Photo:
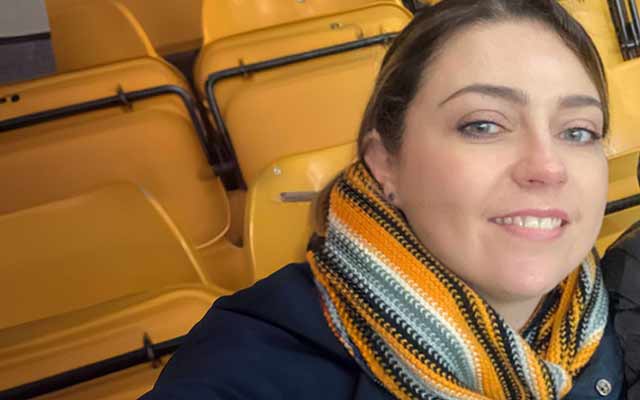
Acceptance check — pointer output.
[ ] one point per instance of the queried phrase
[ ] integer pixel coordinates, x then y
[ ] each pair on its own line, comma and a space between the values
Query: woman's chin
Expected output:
526, 283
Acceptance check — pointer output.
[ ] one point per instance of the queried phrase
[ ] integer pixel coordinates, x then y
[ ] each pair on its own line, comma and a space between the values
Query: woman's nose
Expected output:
539, 165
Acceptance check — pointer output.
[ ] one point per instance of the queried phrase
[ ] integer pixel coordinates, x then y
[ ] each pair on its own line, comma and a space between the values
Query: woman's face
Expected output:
501, 172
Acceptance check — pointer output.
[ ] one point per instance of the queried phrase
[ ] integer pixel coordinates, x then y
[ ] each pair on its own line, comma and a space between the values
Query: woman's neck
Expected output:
516, 313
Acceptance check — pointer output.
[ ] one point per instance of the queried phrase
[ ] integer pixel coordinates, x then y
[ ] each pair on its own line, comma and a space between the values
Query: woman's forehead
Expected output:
523, 55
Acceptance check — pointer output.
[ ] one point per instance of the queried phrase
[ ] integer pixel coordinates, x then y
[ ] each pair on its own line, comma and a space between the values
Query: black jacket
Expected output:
271, 341
621, 270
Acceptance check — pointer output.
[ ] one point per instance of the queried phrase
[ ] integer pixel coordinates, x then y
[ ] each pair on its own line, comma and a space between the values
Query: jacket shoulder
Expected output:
269, 341
621, 271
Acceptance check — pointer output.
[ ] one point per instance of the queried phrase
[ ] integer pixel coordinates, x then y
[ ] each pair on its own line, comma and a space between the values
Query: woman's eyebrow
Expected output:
502, 92
576, 101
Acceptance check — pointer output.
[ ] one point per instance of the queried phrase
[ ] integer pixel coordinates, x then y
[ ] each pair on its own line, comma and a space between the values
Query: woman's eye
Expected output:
579, 135
479, 129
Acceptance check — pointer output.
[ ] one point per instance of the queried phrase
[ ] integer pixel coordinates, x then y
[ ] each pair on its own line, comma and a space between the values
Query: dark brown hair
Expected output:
412, 52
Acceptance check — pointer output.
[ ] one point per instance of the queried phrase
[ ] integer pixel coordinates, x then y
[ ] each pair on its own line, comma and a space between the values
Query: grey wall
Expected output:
23, 17
29, 56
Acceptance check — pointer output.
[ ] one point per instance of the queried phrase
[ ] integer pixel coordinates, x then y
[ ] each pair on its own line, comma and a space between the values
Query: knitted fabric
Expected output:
420, 331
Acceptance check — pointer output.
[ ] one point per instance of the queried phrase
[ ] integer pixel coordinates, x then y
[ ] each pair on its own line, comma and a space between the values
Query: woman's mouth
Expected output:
534, 224
548, 223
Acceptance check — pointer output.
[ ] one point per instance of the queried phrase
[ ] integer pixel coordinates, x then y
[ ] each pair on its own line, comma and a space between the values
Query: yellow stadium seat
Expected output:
595, 17
227, 18
623, 143
90, 84
96, 33
172, 26
614, 225
87, 249
623, 176
153, 148
87, 277
302, 106
114, 243
153, 144
623, 147
52, 346
624, 79
284, 192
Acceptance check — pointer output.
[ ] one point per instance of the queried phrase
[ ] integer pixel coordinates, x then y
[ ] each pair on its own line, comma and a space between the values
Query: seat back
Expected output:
279, 218
100, 217
153, 144
595, 17
95, 33
55, 345
625, 120
303, 106
171, 26
614, 225
226, 18
111, 242
623, 147
72, 88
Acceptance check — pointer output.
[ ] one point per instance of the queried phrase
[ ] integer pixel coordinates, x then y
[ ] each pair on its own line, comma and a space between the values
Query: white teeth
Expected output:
531, 222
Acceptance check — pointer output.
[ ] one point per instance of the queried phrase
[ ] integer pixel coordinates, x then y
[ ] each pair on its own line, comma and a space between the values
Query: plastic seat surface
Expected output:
284, 192
232, 17
96, 33
87, 249
298, 36
304, 106
595, 17
86, 85
615, 225
43, 348
623, 81
171, 26
623, 144
156, 149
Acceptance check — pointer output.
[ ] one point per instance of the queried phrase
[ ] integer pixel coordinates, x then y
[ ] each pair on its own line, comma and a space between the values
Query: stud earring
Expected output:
391, 197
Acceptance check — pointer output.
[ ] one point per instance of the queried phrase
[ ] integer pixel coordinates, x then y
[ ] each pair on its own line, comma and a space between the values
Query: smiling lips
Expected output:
534, 224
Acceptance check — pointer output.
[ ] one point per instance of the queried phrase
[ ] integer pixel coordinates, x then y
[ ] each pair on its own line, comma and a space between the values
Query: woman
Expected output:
453, 260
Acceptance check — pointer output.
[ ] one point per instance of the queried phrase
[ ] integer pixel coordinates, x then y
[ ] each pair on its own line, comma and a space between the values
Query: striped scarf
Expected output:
420, 331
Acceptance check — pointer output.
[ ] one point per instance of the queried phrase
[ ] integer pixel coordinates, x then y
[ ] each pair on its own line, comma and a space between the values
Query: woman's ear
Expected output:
381, 164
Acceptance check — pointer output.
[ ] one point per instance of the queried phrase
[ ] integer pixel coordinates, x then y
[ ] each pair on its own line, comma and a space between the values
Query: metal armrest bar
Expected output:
635, 24
622, 204
126, 99
216, 77
93, 371
628, 31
